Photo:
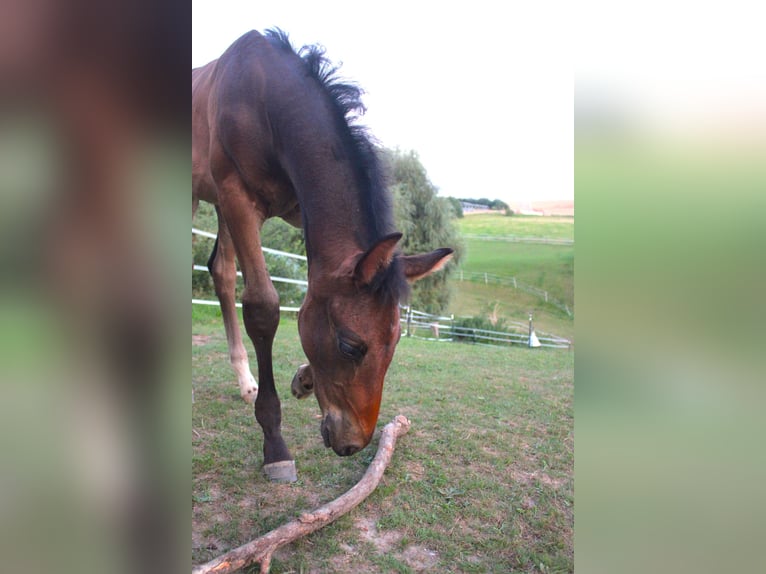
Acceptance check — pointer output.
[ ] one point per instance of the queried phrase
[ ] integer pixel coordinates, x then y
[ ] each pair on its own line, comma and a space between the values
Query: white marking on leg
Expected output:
248, 386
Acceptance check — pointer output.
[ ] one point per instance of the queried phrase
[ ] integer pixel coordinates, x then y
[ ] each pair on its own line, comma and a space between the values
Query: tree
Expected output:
427, 222
275, 234
457, 207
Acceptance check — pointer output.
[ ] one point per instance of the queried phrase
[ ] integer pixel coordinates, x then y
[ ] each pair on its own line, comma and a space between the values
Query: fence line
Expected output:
239, 305
444, 329
437, 324
447, 332
520, 239
301, 282
279, 279
487, 278
471, 275
196, 231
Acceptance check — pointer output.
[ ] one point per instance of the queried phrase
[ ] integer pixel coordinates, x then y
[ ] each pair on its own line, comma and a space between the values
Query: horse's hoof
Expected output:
249, 395
283, 471
248, 387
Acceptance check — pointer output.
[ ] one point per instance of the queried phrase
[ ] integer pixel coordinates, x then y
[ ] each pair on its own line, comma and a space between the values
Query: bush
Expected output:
463, 328
202, 282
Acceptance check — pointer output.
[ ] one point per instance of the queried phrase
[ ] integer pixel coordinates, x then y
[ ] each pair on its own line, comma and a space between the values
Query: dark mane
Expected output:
345, 98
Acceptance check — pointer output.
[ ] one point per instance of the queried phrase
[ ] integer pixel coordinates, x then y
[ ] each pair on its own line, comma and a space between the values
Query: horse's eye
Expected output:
350, 350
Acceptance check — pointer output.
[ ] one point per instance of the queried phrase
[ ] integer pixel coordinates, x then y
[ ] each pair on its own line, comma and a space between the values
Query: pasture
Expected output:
483, 482
518, 225
547, 267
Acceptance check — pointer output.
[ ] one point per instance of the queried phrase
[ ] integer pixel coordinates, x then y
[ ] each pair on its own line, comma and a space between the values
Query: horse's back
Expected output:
232, 99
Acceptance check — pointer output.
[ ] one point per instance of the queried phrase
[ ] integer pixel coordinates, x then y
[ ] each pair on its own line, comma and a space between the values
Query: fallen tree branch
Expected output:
261, 549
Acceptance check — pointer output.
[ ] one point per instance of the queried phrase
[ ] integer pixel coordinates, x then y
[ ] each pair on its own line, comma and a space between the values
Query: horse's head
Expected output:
349, 328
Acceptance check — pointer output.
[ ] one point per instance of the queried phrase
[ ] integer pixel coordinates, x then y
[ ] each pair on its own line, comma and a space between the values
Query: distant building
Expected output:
468, 206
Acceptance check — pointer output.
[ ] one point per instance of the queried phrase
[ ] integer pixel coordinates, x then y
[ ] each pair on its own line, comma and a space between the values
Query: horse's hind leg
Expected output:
260, 306
223, 268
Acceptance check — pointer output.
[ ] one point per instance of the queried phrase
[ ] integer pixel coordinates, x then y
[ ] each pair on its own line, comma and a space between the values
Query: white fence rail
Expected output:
302, 282
264, 249
492, 279
440, 328
217, 304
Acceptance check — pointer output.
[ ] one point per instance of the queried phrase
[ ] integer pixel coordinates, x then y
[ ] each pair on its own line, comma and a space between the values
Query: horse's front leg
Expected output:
260, 310
260, 305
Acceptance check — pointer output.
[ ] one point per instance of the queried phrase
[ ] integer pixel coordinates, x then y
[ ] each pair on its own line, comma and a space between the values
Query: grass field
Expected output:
482, 483
547, 267
474, 299
518, 225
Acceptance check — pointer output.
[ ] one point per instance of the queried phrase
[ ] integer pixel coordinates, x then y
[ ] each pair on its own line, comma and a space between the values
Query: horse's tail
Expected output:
212, 256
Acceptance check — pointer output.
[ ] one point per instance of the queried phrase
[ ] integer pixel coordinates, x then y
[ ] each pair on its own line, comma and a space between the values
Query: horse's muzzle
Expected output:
340, 446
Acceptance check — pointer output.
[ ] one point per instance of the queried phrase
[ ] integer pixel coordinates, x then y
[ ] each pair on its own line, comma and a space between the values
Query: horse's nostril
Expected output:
349, 450
325, 433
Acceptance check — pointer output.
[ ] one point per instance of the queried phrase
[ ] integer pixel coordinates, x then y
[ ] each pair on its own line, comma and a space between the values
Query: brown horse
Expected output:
274, 136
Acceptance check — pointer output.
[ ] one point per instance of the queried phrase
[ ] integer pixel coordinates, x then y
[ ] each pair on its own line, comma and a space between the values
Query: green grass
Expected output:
519, 225
474, 299
482, 483
546, 267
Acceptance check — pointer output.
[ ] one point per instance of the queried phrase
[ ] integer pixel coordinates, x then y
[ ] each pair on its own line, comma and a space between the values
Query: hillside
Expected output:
546, 267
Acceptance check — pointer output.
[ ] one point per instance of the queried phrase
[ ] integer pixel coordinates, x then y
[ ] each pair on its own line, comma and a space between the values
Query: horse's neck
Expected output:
334, 229
333, 213
320, 163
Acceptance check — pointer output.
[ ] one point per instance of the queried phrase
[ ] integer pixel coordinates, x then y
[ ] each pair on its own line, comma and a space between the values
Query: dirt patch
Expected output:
368, 531
347, 562
199, 340
527, 477
420, 558
414, 471
417, 557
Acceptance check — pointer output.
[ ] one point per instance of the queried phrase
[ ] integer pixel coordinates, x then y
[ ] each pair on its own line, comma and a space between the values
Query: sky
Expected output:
483, 96
680, 68
485, 91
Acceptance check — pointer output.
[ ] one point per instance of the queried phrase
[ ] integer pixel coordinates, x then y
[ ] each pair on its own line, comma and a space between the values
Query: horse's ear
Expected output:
418, 266
377, 258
